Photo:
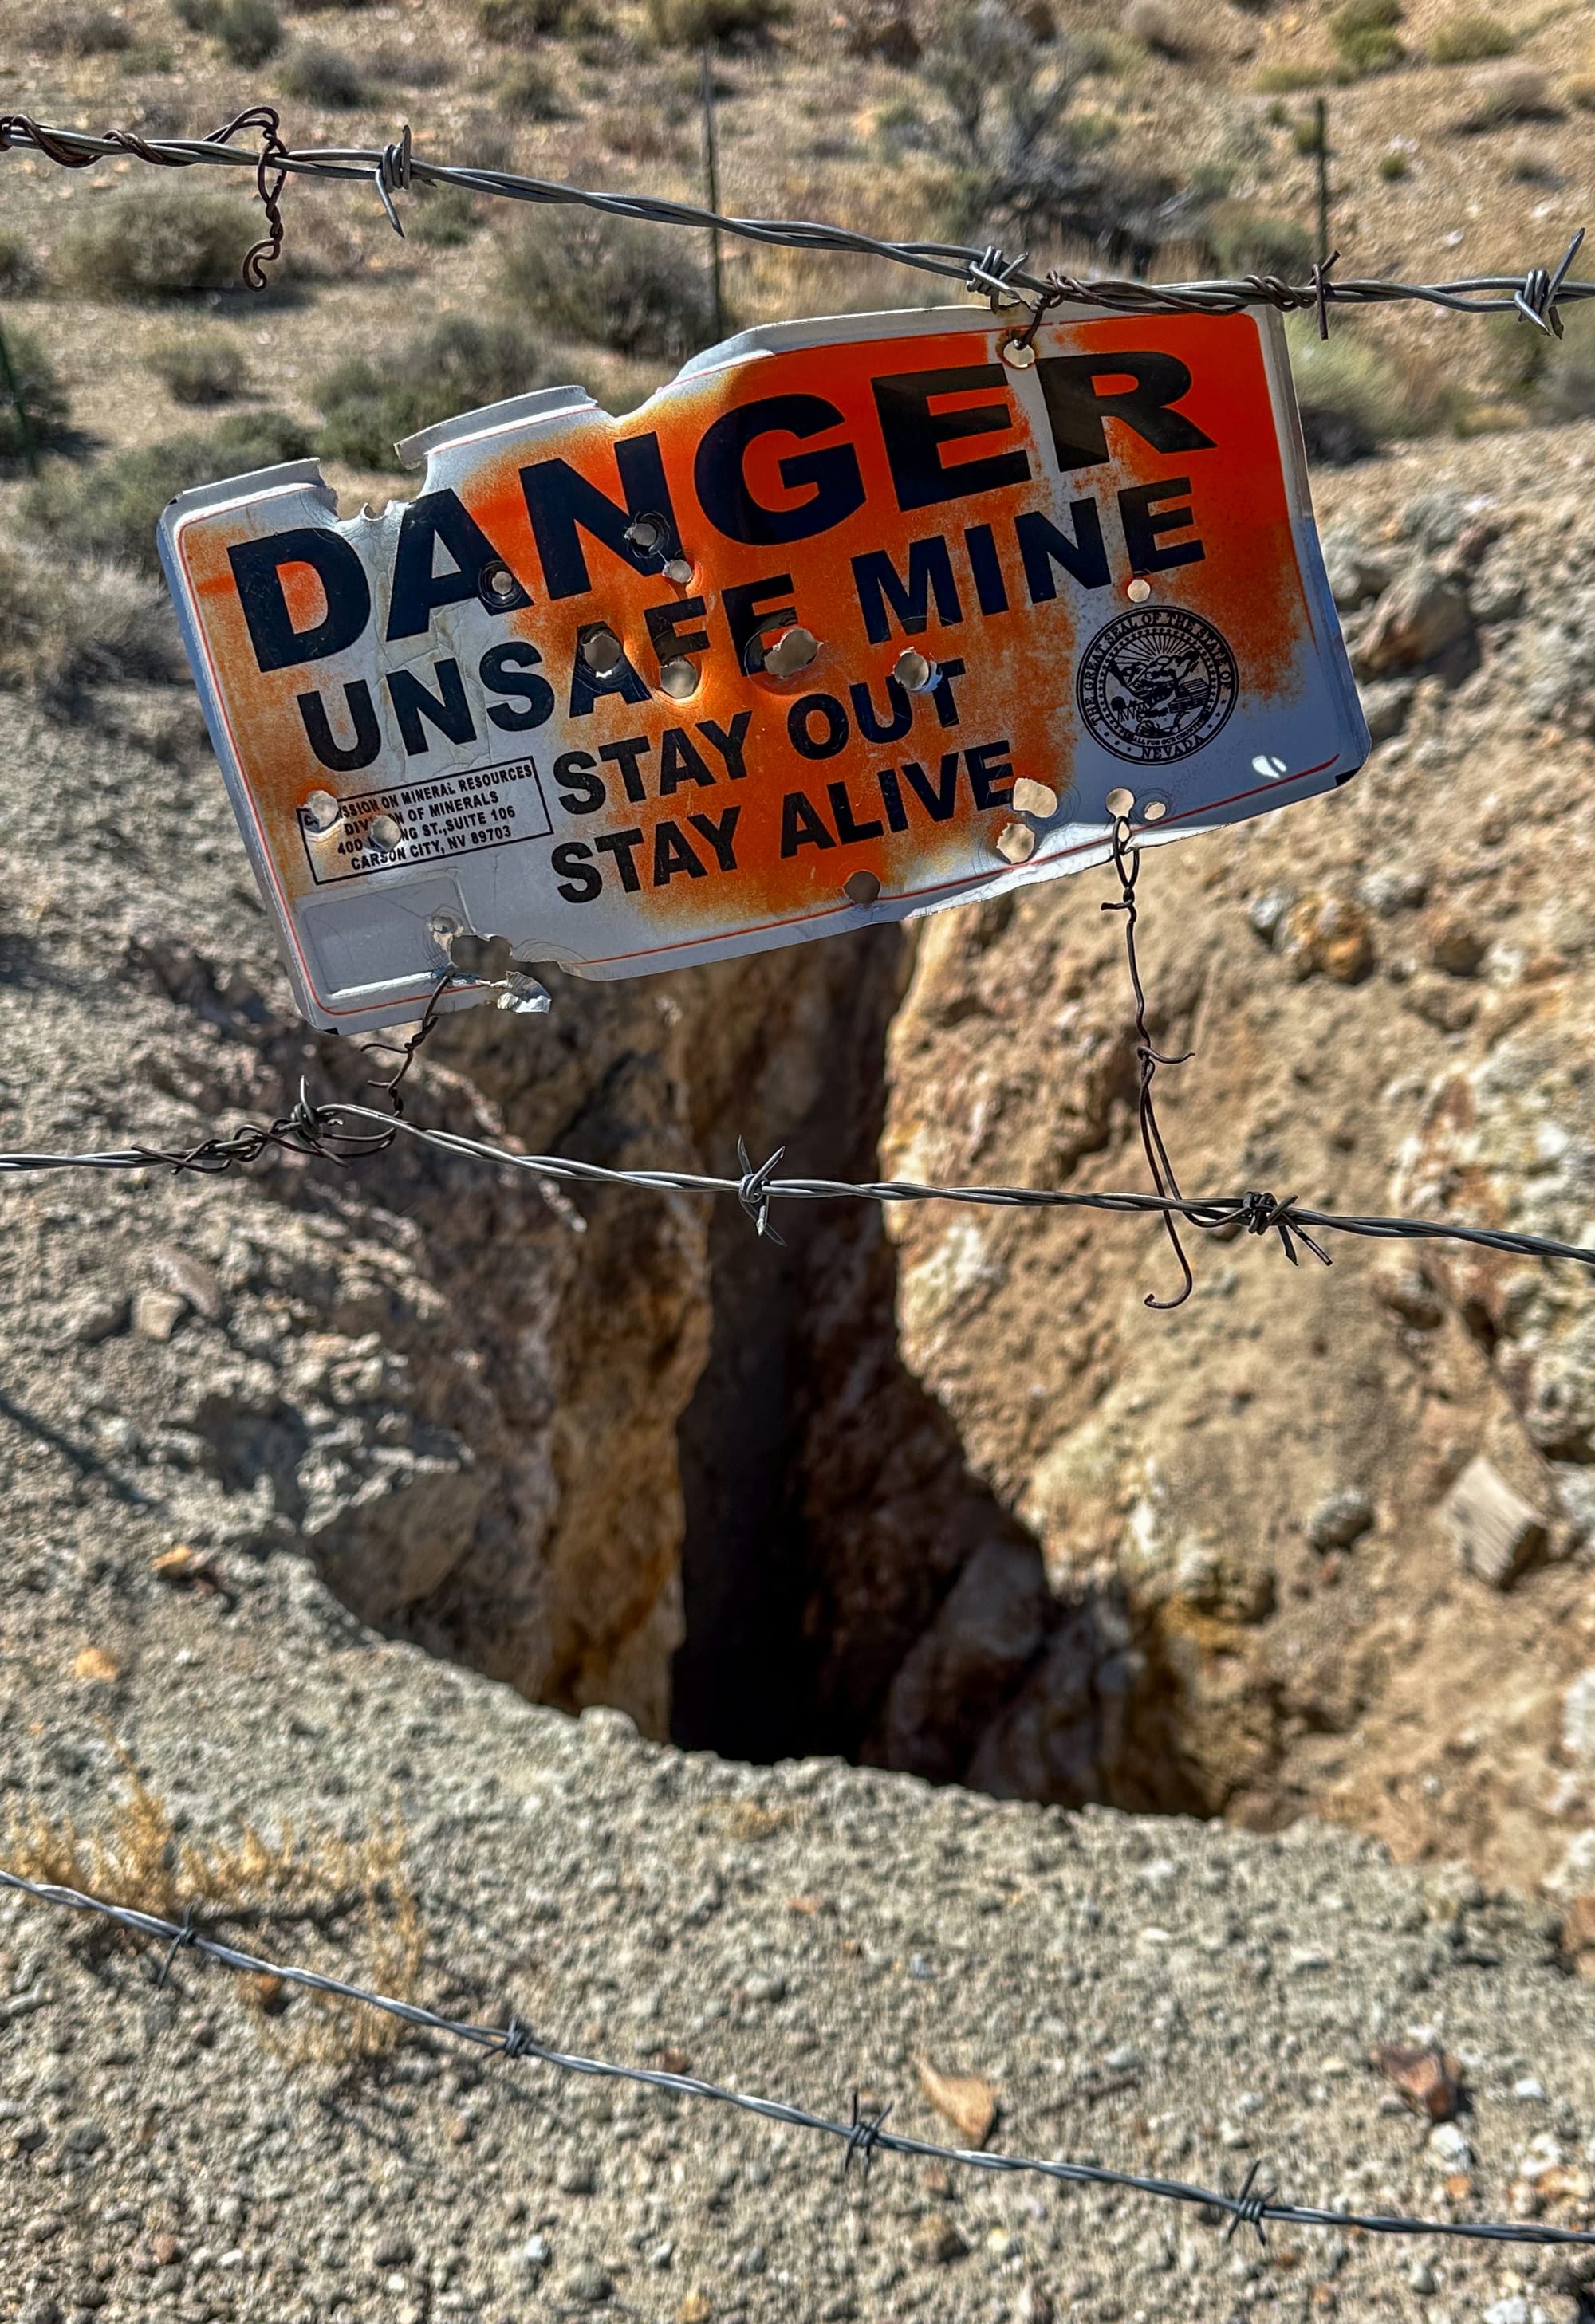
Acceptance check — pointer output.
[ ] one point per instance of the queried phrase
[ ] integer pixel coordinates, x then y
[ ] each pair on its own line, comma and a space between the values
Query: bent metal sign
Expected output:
853, 620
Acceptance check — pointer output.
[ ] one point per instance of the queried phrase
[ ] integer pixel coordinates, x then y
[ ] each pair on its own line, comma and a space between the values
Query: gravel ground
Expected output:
1157, 1995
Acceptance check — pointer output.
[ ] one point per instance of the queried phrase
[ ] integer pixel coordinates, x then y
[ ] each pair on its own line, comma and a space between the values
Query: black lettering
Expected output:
367, 740
1136, 504
929, 575
751, 606
582, 881
512, 669
830, 480
800, 718
625, 755
562, 504
939, 800
258, 574
623, 846
447, 709
672, 852
802, 824
720, 831
582, 786
664, 626
681, 761
1043, 545
990, 588
942, 693
899, 710
1076, 411
892, 797
728, 742
991, 773
418, 590
914, 435
847, 826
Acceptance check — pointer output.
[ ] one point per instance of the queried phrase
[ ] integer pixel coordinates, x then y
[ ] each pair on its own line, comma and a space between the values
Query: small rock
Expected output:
156, 1315
1513, 2309
394, 2249
1389, 890
1126, 2059
1528, 2091
1454, 943
1422, 2278
765, 1986
935, 2242
1450, 2147
661, 2255
533, 2255
1386, 702
1416, 619
96, 1316
84, 2138
1409, 1294
1430, 2081
589, 2285
192, 1280
578, 2178
1266, 912
1328, 936
1495, 1533
968, 2104
1340, 1518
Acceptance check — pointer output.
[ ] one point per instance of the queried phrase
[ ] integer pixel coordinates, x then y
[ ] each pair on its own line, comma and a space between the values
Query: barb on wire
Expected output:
864, 2136
1534, 291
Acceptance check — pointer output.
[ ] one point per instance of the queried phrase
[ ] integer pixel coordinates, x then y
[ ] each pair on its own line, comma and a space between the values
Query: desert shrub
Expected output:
530, 91
19, 269
63, 627
1351, 400
413, 68
712, 24
1307, 135
1245, 240
41, 393
442, 217
456, 367
207, 369
1517, 94
1365, 36
1161, 28
882, 29
157, 239
633, 288
79, 32
1394, 165
1285, 80
146, 56
111, 511
521, 24
249, 30
322, 76
1468, 39
198, 15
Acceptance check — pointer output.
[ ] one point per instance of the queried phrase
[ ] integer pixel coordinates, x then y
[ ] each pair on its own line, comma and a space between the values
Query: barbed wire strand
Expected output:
1535, 291
863, 2137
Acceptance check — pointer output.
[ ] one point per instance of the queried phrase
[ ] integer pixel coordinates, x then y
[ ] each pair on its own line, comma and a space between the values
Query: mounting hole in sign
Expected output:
1019, 353
1268, 767
498, 585
1139, 591
322, 810
861, 888
1119, 801
1153, 809
679, 679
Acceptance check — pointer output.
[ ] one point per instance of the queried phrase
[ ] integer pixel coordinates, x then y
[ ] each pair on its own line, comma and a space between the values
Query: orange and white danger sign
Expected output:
853, 620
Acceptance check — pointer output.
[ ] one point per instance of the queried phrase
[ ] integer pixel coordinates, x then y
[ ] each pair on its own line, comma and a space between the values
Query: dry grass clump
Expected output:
43, 400
458, 366
112, 509
307, 1878
637, 288
322, 76
1517, 94
157, 240
1352, 401
530, 91
79, 32
522, 23
249, 30
1470, 37
1245, 239
201, 369
99, 623
1365, 36
713, 23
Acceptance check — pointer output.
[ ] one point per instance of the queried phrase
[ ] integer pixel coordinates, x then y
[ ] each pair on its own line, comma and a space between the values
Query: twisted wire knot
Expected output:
989, 273
1537, 299
753, 1191
518, 2041
1249, 2207
1259, 1211
185, 1937
393, 170
863, 2138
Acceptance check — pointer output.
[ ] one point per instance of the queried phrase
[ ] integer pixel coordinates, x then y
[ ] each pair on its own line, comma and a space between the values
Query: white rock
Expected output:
1448, 2146
1528, 2090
